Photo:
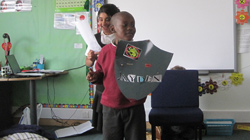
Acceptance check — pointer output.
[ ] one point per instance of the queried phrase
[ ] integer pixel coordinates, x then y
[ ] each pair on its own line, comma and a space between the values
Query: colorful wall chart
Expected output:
71, 5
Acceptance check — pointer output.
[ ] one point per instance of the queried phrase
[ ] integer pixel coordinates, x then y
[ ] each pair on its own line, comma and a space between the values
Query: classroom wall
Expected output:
231, 101
33, 34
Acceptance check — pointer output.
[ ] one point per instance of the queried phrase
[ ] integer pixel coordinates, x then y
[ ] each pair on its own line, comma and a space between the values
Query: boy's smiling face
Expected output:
123, 25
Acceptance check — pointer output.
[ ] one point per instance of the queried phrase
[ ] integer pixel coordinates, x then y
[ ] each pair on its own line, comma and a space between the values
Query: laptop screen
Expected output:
13, 64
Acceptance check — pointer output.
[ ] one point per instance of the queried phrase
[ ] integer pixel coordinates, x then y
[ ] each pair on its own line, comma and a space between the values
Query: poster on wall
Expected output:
71, 5
81, 16
64, 21
15, 5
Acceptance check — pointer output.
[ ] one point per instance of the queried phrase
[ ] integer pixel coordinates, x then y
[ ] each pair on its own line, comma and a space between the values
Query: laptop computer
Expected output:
16, 69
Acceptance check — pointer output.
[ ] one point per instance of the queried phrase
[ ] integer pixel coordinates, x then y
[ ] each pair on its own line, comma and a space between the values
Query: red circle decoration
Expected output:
82, 17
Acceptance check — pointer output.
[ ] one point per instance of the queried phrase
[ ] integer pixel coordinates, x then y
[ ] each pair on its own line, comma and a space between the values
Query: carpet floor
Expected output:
93, 135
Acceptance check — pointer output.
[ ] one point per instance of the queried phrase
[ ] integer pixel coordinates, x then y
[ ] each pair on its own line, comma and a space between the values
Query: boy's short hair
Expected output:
117, 15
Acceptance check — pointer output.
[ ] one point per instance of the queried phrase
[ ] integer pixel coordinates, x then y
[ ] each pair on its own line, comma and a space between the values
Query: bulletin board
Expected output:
200, 33
32, 35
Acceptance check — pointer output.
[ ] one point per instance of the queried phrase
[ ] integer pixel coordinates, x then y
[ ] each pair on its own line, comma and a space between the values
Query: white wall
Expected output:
231, 102
188, 29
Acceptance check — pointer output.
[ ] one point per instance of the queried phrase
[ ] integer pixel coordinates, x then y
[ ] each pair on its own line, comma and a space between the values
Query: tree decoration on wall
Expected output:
236, 78
242, 3
241, 17
211, 86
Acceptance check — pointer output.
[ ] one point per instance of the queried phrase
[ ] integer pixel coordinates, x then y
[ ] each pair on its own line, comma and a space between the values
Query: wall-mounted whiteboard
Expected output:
200, 33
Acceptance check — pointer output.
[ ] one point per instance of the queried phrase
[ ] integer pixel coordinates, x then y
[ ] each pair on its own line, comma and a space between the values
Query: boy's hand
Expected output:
92, 55
97, 54
91, 76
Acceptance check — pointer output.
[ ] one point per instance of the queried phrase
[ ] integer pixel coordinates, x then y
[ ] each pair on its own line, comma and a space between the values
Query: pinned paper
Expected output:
74, 130
64, 21
84, 28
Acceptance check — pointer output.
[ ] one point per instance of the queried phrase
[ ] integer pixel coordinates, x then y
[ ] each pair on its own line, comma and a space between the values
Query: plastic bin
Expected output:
219, 126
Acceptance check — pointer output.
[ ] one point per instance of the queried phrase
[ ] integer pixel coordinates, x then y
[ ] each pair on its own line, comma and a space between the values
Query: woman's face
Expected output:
104, 23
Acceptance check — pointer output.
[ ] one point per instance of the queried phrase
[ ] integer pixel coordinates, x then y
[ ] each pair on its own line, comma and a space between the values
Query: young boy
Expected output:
122, 117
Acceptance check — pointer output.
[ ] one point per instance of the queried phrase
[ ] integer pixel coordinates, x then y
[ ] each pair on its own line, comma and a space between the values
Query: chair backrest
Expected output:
179, 88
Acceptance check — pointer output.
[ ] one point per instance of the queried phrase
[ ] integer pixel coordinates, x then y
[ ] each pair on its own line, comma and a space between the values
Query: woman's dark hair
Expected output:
109, 9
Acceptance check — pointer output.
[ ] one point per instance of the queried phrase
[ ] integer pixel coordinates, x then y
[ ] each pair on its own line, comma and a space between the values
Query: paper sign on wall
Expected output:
15, 5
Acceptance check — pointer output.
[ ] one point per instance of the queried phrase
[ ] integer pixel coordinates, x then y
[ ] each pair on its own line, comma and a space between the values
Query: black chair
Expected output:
175, 102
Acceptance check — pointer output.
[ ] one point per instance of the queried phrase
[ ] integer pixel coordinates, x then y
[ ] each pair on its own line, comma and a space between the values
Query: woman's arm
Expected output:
89, 63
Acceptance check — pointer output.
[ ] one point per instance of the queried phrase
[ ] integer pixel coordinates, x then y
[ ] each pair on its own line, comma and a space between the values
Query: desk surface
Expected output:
31, 78
20, 78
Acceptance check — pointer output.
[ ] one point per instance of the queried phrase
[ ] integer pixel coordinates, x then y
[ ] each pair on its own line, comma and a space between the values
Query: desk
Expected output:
32, 90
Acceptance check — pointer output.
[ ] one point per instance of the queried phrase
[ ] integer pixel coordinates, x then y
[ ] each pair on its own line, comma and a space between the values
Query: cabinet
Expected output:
5, 105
